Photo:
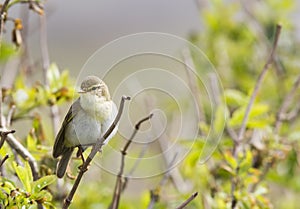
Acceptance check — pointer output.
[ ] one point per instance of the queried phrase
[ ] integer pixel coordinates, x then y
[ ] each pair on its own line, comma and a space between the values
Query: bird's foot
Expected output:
81, 168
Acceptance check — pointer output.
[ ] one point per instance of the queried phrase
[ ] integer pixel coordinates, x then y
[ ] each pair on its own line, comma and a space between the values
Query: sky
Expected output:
76, 29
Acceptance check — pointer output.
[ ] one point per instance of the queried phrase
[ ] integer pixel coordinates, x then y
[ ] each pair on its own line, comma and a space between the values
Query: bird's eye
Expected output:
94, 88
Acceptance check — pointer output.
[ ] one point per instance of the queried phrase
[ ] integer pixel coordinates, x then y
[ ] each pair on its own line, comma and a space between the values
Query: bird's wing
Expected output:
59, 144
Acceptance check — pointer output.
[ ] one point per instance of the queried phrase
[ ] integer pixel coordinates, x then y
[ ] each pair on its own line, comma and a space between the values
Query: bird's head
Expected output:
94, 86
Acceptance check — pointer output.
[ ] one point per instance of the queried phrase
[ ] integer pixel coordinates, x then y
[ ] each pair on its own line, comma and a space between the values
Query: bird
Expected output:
88, 118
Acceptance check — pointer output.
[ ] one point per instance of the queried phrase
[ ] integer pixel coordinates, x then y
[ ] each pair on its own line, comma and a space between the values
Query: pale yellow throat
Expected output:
96, 106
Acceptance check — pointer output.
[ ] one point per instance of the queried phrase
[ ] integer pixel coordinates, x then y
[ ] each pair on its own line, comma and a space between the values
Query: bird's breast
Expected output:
96, 107
83, 130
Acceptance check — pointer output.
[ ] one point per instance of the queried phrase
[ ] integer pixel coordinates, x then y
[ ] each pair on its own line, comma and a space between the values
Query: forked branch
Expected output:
120, 183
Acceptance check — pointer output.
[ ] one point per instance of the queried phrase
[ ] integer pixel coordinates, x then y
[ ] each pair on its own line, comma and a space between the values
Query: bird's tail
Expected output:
63, 163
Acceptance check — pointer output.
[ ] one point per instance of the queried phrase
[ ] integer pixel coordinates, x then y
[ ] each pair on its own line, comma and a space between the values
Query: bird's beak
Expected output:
81, 91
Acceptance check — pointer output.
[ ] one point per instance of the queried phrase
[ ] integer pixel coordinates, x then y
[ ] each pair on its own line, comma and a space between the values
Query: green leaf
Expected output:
219, 120
234, 97
24, 174
41, 183
257, 111
7, 51
246, 163
31, 142
230, 160
42, 196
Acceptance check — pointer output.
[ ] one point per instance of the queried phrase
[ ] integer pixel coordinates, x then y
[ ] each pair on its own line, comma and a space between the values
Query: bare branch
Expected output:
231, 133
23, 152
1, 110
185, 203
140, 156
55, 117
164, 145
238, 142
44, 47
189, 67
92, 154
134, 167
119, 183
258, 85
2, 18
10, 115
4, 136
3, 160
285, 105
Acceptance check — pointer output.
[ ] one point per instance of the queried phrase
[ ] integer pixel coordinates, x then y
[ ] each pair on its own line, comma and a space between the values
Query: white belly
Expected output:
82, 130
85, 129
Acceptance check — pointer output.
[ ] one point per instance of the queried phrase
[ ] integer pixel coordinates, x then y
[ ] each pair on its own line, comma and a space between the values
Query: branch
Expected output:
3, 160
119, 183
44, 47
238, 142
185, 203
1, 110
10, 115
140, 156
189, 67
46, 63
257, 86
164, 145
4, 136
93, 152
285, 105
23, 152
2, 18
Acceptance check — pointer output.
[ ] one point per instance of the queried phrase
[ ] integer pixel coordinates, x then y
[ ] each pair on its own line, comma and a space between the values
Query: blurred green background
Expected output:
236, 37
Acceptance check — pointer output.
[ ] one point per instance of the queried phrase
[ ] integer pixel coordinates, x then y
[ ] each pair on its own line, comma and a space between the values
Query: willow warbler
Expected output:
88, 118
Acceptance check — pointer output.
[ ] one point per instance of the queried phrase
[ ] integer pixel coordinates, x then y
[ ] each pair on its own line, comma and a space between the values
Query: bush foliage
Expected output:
261, 171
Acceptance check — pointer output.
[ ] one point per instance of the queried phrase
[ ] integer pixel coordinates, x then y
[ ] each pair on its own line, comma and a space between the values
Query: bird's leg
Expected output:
80, 154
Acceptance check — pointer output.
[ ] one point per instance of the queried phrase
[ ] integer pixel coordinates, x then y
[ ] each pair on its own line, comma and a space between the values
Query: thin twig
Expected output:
134, 167
185, 203
257, 86
231, 133
119, 183
2, 18
293, 113
4, 136
189, 68
3, 160
238, 142
1, 110
10, 115
55, 117
23, 152
279, 118
44, 47
259, 30
164, 145
139, 158
92, 154
286, 104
